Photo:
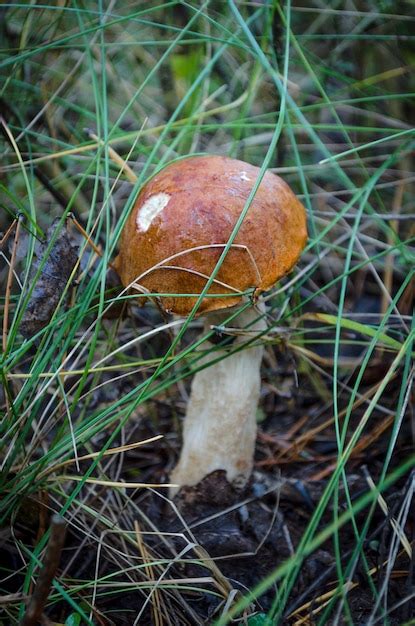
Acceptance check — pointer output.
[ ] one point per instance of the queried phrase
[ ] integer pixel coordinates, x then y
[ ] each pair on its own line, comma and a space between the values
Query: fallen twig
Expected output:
50, 564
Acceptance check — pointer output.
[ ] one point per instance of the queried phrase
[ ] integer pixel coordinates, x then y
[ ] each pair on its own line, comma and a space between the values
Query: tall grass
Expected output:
321, 95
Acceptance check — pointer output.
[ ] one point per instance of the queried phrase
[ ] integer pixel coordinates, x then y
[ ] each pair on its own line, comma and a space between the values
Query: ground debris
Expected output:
56, 270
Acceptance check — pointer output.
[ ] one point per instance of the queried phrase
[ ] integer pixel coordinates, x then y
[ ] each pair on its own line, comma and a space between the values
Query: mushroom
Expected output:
170, 244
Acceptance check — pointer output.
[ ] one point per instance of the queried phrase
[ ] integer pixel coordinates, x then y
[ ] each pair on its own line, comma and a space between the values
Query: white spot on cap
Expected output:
244, 176
150, 209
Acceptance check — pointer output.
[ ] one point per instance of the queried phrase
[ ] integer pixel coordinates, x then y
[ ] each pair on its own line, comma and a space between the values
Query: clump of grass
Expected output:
97, 98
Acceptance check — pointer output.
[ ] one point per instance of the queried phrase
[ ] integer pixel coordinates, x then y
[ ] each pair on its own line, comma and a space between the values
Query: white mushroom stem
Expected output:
220, 425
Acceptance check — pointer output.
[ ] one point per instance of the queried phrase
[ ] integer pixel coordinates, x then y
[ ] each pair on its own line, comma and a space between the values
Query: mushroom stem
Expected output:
220, 425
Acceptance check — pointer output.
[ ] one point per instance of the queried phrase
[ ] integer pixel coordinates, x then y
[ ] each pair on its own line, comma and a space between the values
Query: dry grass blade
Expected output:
9, 281
118, 160
332, 91
111, 483
397, 529
155, 597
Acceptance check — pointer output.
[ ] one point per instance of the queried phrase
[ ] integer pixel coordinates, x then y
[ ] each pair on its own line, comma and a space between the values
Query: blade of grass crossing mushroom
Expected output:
180, 334
235, 230
267, 63
125, 417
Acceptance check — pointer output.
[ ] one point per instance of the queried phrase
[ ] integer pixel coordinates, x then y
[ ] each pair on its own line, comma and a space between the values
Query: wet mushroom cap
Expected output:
195, 203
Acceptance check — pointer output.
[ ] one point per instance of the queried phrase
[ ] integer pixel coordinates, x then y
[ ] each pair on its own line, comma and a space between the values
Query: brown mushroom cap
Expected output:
195, 203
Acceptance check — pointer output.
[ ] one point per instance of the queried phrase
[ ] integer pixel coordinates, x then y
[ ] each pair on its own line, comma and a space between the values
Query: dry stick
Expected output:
51, 561
8, 232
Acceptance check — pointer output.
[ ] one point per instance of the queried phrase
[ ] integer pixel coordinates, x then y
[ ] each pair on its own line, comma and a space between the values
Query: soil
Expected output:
222, 543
